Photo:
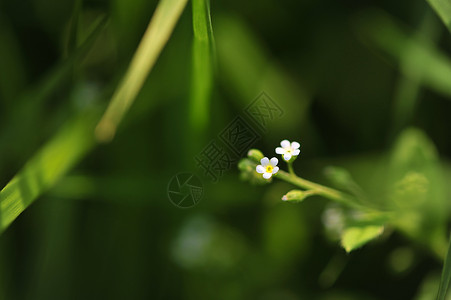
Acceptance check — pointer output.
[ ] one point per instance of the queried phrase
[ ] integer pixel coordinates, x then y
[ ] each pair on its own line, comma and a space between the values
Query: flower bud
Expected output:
248, 172
255, 154
296, 195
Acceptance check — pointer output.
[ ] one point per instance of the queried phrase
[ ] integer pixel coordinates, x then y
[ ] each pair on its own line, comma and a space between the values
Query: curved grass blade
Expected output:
446, 275
157, 34
443, 9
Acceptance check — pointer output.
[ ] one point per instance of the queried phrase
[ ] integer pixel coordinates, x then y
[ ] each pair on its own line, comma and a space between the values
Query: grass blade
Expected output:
71, 43
157, 34
430, 66
408, 90
46, 167
240, 51
76, 138
446, 276
202, 65
443, 9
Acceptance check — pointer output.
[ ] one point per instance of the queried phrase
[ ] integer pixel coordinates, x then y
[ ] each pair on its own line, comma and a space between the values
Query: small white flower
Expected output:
268, 167
288, 150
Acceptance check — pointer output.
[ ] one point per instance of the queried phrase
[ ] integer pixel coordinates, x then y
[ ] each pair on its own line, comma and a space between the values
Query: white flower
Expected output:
288, 150
268, 167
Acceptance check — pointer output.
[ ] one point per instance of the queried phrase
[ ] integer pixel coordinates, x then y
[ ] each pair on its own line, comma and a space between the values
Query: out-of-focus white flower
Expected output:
334, 220
288, 150
268, 167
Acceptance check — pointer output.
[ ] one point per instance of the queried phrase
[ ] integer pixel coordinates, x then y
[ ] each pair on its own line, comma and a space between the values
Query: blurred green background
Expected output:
352, 77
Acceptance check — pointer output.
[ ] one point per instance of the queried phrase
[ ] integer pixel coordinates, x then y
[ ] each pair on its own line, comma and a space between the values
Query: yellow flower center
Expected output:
269, 169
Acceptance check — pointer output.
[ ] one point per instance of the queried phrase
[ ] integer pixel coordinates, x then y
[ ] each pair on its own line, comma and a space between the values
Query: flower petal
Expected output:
275, 170
280, 150
264, 161
295, 145
296, 152
287, 156
285, 144
260, 169
267, 175
274, 161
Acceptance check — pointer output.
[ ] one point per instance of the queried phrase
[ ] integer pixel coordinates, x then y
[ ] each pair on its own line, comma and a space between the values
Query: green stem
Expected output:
321, 190
290, 168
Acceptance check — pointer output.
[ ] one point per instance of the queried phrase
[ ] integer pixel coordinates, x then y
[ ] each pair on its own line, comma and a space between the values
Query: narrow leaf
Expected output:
446, 276
428, 65
443, 9
76, 138
46, 167
157, 34
202, 65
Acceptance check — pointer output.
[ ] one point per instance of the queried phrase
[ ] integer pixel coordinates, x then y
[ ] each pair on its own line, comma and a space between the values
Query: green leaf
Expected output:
446, 275
355, 237
443, 9
362, 227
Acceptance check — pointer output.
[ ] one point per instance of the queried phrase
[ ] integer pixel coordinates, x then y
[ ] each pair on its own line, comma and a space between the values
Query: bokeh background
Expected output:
351, 78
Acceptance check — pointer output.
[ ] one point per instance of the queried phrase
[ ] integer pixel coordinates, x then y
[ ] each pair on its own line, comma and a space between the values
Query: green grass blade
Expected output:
46, 167
408, 90
76, 138
446, 276
157, 34
430, 66
11, 59
202, 65
240, 51
72, 40
51, 82
443, 9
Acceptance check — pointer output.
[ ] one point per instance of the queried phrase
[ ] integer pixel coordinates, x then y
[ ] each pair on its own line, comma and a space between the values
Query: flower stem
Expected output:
290, 168
321, 190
